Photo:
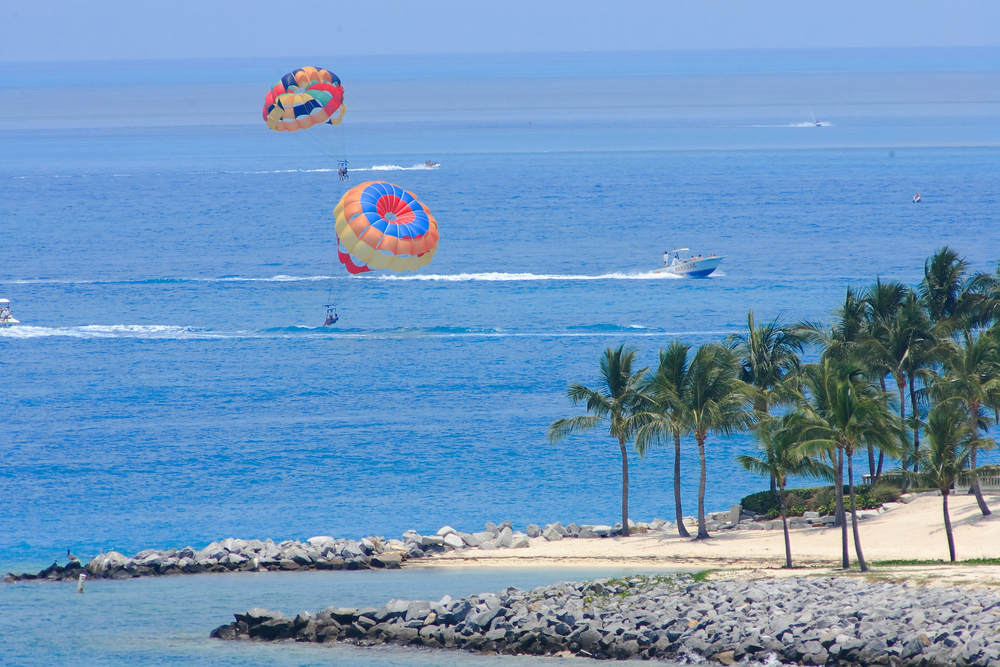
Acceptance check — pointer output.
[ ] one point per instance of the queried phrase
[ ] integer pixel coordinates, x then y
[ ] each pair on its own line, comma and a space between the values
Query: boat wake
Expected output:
164, 332
521, 277
805, 124
396, 167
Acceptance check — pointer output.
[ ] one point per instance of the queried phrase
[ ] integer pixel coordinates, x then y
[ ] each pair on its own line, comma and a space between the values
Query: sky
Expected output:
70, 30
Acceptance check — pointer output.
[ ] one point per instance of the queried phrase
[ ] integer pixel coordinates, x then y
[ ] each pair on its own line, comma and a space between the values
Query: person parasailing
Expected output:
331, 315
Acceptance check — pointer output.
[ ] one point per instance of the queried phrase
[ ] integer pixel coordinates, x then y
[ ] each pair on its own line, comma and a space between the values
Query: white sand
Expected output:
913, 532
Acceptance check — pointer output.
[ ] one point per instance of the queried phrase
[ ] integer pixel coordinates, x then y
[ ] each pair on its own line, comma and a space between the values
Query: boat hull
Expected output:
694, 268
9, 323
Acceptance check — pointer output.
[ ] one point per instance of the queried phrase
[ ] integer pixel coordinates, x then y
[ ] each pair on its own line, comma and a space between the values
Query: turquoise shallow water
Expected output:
167, 621
171, 385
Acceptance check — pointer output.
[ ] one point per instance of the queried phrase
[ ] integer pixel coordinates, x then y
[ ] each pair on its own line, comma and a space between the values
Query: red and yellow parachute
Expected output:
303, 98
382, 226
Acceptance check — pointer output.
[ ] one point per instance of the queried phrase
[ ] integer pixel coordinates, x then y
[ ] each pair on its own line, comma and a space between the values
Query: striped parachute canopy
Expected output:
304, 98
382, 226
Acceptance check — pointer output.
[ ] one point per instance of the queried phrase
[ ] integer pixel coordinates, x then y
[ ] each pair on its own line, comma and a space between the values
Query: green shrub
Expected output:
761, 502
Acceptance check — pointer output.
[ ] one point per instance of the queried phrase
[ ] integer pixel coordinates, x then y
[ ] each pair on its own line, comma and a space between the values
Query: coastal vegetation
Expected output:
894, 365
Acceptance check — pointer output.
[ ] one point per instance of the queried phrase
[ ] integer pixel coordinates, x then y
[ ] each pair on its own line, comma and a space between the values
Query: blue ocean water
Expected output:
170, 261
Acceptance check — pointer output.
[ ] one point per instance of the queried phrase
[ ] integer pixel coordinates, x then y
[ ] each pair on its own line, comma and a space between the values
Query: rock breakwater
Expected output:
826, 621
317, 553
233, 555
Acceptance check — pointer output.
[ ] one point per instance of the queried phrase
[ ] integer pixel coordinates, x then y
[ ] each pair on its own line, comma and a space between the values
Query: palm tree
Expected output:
780, 458
842, 341
883, 301
617, 402
847, 412
952, 296
716, 401
768, 355
972, 374
902, 346
665, 388
951, 445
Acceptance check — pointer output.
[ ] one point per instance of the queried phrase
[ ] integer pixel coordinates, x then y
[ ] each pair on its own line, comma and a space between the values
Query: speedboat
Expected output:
693, 267
6, 318
430, 164
916, 198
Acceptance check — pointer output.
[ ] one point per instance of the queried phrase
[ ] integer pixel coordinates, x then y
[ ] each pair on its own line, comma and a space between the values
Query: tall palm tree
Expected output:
951, 444
972, 374
781, 457
666, 388
768, 355
616, 402
716, 401
843, 340
883, 301
847, 412
902, 346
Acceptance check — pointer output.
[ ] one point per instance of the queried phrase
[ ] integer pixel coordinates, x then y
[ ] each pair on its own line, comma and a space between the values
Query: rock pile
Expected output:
232, 555
832, 621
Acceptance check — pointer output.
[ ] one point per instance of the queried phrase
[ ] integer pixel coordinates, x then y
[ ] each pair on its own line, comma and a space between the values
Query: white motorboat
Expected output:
692, 267
916, 198
6, 318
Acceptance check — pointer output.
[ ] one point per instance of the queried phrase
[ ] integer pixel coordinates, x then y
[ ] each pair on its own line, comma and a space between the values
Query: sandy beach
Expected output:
910, 532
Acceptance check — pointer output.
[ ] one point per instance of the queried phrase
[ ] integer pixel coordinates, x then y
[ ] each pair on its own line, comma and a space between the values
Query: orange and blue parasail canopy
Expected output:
382, 226
303, 98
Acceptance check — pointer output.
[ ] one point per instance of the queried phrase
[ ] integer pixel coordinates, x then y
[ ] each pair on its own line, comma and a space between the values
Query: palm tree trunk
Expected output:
854, 512
784, 524
681, 529
916, 430
841, 518
947, 524
621, 442
774, 485
983, 507
905, 461
871, 465
877, 474
702, 528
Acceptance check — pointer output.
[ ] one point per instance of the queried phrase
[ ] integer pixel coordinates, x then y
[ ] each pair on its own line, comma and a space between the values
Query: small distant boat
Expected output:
916, 198
819, 124
693, 267
431, 164
6, 318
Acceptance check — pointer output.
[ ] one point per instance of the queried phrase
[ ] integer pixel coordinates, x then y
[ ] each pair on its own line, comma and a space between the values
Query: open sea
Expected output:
169, 258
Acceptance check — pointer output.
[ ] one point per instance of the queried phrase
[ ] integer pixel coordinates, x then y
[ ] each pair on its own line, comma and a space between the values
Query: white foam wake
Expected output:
395, 167
111, 331
518, 277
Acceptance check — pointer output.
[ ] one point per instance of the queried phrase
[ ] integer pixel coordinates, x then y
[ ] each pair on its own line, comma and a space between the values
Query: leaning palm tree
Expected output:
972, 374
951, 444
780, 458
666, 387
716, 401
617, 403
768, 355
846, 412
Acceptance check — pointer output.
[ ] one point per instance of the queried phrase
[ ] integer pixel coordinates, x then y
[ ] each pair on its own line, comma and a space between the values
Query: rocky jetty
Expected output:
232, 555
328, 553
828, 621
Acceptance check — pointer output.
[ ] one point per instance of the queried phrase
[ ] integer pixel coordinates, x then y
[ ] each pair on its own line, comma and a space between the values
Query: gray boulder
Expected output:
533, 530
505, 539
